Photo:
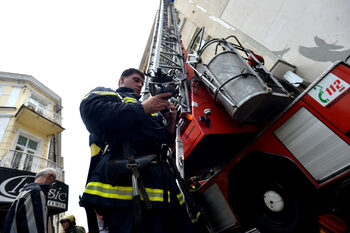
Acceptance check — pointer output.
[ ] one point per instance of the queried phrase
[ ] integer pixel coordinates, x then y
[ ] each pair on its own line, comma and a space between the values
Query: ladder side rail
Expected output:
166, 54
159, 37
145, 92
178, 39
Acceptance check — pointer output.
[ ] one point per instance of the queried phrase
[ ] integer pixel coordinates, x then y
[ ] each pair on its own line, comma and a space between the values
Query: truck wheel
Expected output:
275, 203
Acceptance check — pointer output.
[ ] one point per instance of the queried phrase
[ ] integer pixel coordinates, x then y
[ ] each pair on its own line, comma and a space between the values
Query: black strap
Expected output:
129, 154
92, 220
190, 201
144, 193
137, 213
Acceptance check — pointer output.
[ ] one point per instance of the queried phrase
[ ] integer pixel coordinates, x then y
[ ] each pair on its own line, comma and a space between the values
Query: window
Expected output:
9, 95
4, 120
24, 154
180, 22
197, 45
3, 96
52, 149
197, 41
11, 102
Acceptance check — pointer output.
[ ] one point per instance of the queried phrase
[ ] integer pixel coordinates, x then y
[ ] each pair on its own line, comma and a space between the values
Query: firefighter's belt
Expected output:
117, 168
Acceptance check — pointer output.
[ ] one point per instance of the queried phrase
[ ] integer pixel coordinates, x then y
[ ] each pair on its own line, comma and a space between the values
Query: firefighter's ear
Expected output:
121, 80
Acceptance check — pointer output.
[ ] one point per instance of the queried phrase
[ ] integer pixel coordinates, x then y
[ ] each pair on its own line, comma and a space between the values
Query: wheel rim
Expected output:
273, 201
275, 204
282, 212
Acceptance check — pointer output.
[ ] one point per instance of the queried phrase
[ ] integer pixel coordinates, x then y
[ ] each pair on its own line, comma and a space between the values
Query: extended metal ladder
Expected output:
166, 54
166, 45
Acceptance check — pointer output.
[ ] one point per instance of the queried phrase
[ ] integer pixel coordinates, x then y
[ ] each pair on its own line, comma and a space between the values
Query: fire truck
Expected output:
255, 152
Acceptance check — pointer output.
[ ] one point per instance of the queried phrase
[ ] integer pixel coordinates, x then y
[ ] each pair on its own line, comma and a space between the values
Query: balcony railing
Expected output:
47, 113
29, 162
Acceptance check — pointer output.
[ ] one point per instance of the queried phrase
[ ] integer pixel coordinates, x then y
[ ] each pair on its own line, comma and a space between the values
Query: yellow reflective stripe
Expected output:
155, 194
154, 114
103, 93
149, 190
121, 192
181, 198
109, 191
94, 149
195, 219
130, 100
108, 186
108, 195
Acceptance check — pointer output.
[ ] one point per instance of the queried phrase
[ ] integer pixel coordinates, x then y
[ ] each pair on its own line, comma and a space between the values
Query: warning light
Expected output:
189, 117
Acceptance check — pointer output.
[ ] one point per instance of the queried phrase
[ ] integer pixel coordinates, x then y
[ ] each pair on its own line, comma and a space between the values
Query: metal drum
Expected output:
248, 93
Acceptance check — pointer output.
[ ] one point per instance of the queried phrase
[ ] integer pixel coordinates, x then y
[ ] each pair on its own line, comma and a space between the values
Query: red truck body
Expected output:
307, 147
259, 153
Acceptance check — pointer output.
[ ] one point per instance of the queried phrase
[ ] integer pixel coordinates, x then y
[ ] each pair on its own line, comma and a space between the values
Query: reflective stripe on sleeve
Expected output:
130, 100
104, 93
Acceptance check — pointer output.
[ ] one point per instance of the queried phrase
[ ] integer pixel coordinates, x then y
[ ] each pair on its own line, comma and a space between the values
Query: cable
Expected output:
227, 81
346, 59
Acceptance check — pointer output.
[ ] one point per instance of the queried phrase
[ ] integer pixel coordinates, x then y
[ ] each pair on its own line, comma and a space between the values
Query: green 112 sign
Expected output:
328, 89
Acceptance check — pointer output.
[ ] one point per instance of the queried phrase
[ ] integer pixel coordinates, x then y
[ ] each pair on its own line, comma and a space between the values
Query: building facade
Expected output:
30, 140
305, 37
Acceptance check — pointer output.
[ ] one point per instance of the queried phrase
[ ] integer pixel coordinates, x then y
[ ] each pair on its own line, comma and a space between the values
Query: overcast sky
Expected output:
72, 46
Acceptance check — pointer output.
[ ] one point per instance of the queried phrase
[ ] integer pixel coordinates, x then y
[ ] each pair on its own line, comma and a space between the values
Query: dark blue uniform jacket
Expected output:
112, 117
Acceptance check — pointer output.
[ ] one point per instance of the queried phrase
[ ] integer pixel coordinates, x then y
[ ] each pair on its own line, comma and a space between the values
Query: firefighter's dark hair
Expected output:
126, 73
130, 71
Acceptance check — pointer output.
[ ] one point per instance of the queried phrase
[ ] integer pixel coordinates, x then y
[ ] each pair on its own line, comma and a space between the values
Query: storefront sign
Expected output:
12, 181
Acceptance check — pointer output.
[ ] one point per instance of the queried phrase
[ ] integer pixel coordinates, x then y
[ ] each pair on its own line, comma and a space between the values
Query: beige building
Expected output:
30, 140
309, 35
30, 124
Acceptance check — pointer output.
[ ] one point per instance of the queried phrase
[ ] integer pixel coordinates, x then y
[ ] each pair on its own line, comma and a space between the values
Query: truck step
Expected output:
254, 230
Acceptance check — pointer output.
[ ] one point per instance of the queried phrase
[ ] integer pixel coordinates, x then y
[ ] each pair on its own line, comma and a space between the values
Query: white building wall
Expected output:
4, 120
308, 34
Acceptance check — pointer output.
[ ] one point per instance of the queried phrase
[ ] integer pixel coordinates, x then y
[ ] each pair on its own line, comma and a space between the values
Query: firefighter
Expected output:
69, 225
124, 129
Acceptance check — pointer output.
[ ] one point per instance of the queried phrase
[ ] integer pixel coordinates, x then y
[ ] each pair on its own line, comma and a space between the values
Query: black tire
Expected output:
296, 214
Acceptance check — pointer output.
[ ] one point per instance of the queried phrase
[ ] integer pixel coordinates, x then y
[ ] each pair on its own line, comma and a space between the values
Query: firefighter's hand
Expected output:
172, 111
156, 103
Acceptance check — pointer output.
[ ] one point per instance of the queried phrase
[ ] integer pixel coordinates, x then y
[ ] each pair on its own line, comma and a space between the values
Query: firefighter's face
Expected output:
65, 225
133, 81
